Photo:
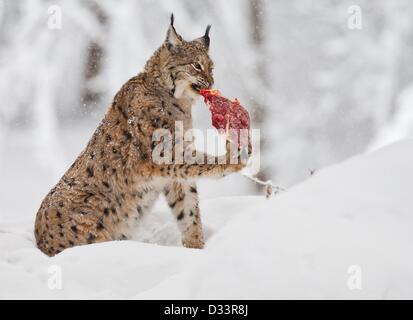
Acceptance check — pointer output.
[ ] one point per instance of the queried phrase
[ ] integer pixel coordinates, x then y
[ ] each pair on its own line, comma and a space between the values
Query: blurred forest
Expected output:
318, 90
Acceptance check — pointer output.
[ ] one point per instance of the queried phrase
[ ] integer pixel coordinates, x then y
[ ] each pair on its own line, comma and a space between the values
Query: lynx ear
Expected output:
173, 39
204, 40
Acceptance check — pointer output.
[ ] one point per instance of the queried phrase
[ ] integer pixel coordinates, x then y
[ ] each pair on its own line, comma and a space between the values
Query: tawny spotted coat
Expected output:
114, 181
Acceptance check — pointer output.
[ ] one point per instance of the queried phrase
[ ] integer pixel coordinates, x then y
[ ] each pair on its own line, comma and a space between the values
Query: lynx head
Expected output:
184, 66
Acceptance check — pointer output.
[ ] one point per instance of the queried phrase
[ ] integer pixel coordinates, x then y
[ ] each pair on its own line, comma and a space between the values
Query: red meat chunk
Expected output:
227, 115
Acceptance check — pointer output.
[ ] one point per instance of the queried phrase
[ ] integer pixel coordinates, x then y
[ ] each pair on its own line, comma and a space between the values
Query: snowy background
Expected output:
320, 91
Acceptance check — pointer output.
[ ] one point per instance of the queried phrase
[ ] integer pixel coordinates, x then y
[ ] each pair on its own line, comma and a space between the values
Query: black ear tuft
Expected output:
207, 31
172, 37
206, 36
204, 40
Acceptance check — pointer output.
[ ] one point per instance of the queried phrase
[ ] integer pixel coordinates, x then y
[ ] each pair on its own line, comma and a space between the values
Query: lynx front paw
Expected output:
233, 168
194, 243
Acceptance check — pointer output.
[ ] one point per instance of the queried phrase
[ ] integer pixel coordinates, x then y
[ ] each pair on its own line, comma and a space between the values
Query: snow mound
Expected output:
305, 243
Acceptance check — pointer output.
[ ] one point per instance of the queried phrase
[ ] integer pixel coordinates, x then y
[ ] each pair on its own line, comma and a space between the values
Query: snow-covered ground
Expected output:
343, 233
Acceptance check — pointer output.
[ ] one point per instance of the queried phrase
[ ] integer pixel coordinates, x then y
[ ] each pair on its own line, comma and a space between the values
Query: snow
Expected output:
400, 126
299, 244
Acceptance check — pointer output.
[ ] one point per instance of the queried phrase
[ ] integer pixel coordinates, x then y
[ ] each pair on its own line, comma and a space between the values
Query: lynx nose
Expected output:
210, 82
204, 83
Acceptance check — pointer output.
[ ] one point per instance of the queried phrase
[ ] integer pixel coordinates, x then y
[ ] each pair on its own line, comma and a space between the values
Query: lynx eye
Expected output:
197, 66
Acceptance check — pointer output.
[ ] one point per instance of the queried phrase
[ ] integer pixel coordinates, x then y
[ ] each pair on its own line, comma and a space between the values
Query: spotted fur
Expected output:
114, 181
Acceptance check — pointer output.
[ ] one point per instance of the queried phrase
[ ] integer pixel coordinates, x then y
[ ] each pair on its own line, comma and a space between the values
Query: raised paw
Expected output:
232, 168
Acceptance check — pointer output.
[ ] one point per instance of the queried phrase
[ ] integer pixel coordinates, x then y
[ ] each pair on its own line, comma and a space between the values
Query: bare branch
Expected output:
270, 188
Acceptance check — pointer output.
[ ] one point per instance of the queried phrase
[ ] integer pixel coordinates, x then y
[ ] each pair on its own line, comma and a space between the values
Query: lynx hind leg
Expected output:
55, 232
182, 198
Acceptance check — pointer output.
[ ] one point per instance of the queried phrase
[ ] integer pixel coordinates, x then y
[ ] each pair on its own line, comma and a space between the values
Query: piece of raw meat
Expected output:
228, 116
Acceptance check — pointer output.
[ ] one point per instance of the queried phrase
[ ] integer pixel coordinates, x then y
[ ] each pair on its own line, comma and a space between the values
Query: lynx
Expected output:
114, 181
